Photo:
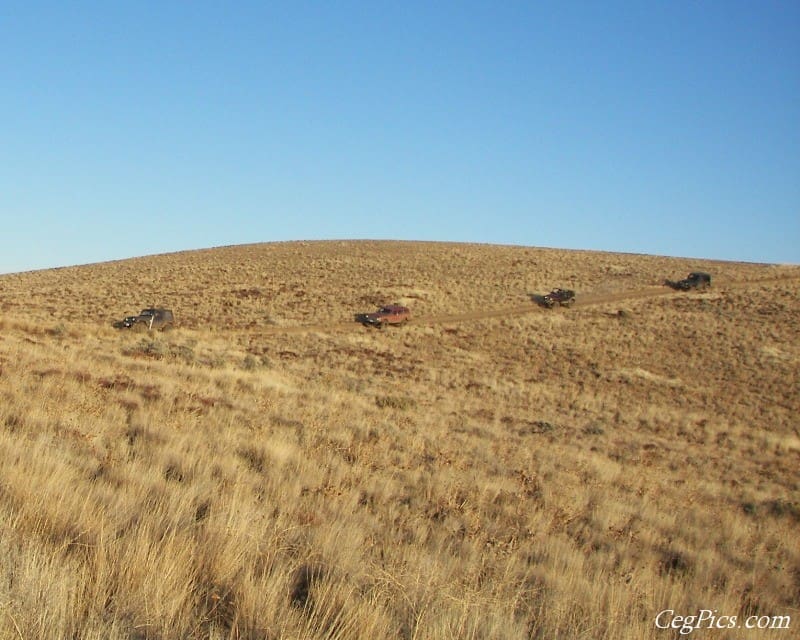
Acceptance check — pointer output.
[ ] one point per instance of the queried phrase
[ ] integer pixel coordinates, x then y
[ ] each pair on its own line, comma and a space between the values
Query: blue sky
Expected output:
129, 129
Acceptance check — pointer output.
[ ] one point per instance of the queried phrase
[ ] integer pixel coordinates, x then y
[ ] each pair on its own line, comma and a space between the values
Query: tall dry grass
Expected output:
549, 474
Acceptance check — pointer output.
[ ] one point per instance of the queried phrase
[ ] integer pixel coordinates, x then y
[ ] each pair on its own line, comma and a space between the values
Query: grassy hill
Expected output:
272, 469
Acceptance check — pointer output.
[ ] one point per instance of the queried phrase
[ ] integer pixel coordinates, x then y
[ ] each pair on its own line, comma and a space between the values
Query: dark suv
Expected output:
695, 280
560, 297
148, 320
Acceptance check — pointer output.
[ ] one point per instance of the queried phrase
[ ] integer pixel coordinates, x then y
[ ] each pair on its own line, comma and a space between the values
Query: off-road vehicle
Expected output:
695, 280
148, 320
560, 297
390, 314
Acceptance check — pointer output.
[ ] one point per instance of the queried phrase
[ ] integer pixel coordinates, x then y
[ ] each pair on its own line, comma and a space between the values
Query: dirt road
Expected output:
587, 299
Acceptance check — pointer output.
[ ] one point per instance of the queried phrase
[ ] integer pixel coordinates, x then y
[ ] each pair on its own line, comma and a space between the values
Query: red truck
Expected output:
390, 314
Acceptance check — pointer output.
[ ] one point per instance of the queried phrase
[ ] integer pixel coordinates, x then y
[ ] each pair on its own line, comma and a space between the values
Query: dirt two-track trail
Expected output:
587, 299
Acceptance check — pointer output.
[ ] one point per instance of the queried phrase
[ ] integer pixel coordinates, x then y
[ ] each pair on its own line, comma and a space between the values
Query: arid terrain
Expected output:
493, 469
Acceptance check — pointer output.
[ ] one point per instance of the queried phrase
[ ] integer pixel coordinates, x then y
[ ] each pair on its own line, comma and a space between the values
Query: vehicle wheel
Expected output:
139, 327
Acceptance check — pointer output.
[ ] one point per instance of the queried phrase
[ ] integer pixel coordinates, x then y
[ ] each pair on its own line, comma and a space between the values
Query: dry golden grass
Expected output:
270, 469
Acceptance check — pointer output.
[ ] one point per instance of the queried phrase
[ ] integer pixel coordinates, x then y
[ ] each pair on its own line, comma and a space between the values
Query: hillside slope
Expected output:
271, 468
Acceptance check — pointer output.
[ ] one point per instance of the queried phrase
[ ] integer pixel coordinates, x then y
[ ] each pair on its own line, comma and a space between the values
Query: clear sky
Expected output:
135, 128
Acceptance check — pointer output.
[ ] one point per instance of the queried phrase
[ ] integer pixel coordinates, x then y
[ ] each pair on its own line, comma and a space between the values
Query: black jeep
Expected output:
148, 320
695, 280
560, 297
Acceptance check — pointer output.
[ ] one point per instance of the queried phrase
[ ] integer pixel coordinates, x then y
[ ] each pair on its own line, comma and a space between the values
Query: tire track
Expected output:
581, 301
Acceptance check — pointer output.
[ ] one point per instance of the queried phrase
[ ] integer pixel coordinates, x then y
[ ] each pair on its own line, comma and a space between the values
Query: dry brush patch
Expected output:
552, 474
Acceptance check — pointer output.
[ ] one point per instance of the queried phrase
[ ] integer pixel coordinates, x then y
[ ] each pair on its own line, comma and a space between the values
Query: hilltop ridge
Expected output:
310, 281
